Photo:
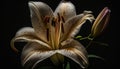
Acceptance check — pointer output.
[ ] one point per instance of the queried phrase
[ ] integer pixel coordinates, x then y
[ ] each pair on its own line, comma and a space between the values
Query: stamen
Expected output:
47, 34
46, 19
53, 22
63, 19
62, 27
58, 17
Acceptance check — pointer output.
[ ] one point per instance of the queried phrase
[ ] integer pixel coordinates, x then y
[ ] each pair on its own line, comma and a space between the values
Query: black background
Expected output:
15, 14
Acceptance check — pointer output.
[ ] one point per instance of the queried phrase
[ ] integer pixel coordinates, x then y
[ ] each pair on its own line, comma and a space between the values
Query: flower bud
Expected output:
101, 22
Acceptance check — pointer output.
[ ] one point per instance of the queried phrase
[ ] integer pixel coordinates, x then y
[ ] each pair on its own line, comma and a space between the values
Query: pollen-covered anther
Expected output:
46, 19
59, 17
62, 27
53, 22
63, 19
47, 34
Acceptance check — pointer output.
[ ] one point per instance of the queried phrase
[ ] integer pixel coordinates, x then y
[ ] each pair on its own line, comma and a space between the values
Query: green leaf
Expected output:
46, 67
100, 43
68, 66
92, 43
95, 56
90, 38
83, 38
78, 37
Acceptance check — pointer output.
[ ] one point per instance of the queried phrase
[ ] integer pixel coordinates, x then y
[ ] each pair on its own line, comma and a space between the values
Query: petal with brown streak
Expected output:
26, 34
41, 13
65, 9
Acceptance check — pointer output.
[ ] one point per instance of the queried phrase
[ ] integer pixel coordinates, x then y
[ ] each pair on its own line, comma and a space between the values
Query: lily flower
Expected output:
100, 23
52, 35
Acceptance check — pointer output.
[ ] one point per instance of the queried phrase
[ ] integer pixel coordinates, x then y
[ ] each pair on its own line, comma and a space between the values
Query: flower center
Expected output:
55, 29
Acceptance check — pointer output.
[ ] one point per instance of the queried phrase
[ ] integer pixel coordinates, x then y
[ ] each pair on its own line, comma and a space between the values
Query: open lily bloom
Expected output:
52, 35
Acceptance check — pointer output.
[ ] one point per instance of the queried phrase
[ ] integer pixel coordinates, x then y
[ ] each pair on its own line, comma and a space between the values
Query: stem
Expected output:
83, 38
89, 44
91, 40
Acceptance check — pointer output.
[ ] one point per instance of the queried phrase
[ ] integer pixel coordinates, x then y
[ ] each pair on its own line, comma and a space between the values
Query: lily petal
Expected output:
76, 52
41, 13
34, 53
26, 34
100, 22
65, 9
74, 24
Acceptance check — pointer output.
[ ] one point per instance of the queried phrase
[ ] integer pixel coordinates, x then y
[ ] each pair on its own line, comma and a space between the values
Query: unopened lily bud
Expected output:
100, 22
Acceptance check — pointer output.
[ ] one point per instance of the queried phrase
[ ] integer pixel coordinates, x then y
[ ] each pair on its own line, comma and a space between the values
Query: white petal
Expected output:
76, 52
26, 34
34, 53
65, 9
75, 23
39, 13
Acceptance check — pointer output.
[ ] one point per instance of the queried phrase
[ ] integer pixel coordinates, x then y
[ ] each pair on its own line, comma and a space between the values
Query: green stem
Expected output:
89, 44
83, 38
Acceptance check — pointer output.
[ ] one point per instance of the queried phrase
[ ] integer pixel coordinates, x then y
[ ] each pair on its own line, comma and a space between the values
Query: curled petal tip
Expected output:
30, 3
12, 45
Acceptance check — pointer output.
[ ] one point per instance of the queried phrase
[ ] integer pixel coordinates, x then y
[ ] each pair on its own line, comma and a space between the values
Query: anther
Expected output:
46, 19
58, 17
62, 27
53, 22
47, 34
63, 19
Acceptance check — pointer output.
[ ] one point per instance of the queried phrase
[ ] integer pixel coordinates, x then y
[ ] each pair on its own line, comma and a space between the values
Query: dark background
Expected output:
15, 14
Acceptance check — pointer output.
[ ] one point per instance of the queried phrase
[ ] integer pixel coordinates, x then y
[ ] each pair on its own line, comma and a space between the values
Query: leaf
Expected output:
57, 59
46, 67
99, 43
68, 66
95, 56
78, 37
